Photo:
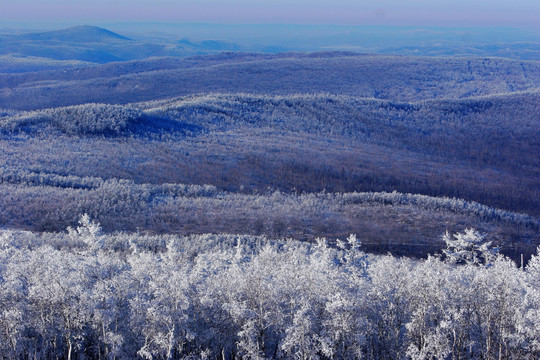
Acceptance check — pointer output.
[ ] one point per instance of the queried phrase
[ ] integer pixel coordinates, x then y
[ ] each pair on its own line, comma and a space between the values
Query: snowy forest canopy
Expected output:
84, 294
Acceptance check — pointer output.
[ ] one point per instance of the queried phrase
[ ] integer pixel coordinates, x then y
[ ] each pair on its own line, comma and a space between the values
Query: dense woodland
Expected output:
394, 78
126, 166
82, 294
207, 201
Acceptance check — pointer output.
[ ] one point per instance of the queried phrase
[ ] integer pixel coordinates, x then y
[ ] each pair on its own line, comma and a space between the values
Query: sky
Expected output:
507, 13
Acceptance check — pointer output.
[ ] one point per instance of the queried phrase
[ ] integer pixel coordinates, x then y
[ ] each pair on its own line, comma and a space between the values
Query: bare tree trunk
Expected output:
69, 348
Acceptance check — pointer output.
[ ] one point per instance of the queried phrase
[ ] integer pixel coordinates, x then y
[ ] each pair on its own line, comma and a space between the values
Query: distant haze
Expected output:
515, 13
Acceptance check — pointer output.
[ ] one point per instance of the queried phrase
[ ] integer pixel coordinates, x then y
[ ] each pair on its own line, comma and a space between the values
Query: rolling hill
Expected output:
256, 161
81, 34
395, 78
171, 144
98, 45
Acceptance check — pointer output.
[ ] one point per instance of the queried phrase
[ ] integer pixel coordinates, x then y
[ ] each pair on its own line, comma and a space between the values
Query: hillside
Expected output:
130, 41
403, 224
82, 43
274, 143
82, 33
395, 78
101, 46
124, 165
16, 64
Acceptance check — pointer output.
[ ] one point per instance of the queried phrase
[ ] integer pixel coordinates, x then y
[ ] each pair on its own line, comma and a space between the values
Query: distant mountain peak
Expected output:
80, 33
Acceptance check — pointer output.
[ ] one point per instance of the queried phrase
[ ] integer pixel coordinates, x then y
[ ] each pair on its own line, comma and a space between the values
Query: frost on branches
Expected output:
85, 294
469, 247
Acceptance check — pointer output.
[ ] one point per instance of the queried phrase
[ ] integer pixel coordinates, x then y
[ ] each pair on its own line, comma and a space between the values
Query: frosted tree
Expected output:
255, 305
429, 294
89, 232
212, 296
469, 248
110, 295
500, 292
159, 307
355, 261
531, 319
58, 299
388, 307
12, 297
344, 325
301, 340
11, 327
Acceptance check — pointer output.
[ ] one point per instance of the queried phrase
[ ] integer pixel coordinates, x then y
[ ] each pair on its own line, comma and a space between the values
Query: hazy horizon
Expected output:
522, 14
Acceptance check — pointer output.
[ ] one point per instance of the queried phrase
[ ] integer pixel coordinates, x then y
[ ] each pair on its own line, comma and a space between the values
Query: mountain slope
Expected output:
84, 43
305, 143
76, 34
394, 78
280, 145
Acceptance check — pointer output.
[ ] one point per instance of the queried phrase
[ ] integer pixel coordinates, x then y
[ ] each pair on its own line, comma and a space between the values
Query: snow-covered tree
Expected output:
469, 247
89, 232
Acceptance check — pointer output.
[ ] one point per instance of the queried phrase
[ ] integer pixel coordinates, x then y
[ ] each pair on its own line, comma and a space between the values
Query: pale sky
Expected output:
514, 13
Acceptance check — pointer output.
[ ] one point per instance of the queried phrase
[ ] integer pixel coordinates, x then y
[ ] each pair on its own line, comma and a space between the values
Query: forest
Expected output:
85, 294
181, 202
396, 174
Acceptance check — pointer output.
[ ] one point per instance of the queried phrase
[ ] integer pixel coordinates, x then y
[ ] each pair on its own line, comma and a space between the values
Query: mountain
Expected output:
99, 45
75, 34
398, 40
81, 43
